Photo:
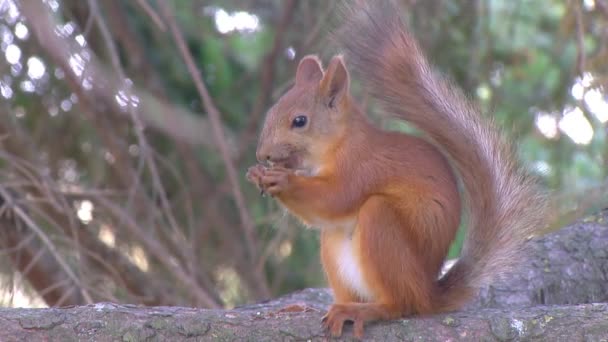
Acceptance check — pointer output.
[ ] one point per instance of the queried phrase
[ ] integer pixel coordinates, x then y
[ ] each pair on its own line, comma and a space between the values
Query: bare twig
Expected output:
25, 218
214, 118
580, 38
145, 150
316, 30
42, 192
161, 254
286, 233
267, 74
602, 5
152, 14
181, 124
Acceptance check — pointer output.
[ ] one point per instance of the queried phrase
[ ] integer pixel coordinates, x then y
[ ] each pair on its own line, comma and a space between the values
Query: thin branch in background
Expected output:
215, 119
267, 77
152, 14
33, 261
145, 149
181, 124
21, 244
160, 253
194, 246
143, 71
46, 241
44, 202
177, 238
60, 50
602, 5
87, 27
267, 73
580, 39
286, 233
316, 30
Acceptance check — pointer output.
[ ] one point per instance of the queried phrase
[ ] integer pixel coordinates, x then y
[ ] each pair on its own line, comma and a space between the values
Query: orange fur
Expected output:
388, 204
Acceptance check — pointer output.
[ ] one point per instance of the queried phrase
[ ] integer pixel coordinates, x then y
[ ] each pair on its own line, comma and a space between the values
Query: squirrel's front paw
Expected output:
254, 175
275, 180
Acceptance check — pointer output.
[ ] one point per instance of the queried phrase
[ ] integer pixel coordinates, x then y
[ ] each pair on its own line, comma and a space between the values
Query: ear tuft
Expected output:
335, 84
309, 71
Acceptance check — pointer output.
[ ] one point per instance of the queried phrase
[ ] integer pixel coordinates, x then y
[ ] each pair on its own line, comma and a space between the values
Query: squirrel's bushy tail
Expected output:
504, 204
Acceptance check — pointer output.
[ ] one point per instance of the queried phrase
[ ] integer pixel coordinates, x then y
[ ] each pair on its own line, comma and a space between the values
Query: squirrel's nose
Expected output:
262, 156
272, 154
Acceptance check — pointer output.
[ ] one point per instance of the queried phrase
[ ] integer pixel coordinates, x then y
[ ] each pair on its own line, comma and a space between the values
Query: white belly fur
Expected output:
350, 270
347, 262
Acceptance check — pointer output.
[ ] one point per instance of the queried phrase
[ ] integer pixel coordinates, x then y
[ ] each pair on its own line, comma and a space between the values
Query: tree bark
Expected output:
109, 322
569, 266
535, 302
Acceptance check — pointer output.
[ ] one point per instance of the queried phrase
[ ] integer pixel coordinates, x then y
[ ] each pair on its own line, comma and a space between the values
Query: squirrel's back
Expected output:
504, 203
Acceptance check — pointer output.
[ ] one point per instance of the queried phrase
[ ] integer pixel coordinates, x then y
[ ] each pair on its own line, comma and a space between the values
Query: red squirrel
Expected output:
388, 204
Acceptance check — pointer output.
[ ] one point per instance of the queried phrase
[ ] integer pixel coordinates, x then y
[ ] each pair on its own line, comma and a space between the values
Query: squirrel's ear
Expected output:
309, 71
335, 84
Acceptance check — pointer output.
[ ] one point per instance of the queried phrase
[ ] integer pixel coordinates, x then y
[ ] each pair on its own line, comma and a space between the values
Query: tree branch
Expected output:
248, 226
109, 322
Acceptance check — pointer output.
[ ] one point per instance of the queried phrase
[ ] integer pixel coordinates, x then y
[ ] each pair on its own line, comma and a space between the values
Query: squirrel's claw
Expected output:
254, 175
338, 315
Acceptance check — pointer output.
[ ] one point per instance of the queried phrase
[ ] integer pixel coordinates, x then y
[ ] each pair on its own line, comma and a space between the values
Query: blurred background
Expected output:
126, 127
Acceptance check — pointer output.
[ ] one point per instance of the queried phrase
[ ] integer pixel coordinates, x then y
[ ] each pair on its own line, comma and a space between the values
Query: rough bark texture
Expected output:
569, 266
109, 322
566, 267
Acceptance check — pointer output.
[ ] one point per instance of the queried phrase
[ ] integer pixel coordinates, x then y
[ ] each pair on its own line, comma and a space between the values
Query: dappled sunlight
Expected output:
597, 103
77, 63
139, 258
12, 54
573, 122
5, 90
124, 100
580, 85
14, 295
35, 68
589, 4
547, 124
576, 126
229, 284
107, 236
85, 211
66, 30
593, 97
21, 31
541, 167
235, 21
285, 249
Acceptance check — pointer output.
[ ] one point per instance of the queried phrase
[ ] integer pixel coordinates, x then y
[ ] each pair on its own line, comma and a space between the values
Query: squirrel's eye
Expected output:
299, 121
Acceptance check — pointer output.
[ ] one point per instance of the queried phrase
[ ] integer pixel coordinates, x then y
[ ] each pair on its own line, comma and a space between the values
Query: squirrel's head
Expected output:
309, 121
